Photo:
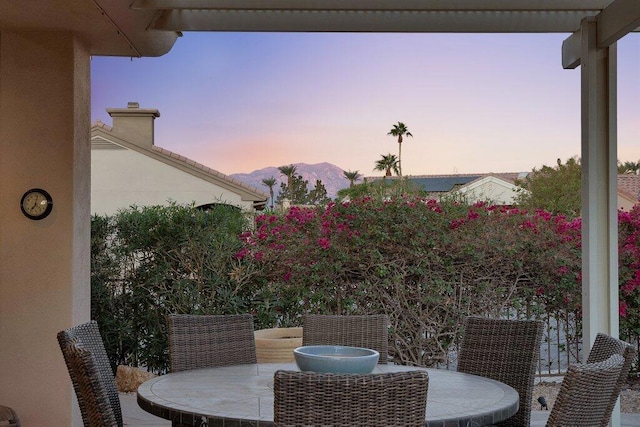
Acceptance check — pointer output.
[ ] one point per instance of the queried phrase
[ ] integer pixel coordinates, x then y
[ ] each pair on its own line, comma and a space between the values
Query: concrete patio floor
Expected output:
136, 417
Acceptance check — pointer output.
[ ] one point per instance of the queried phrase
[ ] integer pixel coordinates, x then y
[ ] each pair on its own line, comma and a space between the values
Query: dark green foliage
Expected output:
298, 192
318, 195
151, 261
555, 189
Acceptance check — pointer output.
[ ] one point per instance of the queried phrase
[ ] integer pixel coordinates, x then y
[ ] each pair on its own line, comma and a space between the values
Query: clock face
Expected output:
36, 204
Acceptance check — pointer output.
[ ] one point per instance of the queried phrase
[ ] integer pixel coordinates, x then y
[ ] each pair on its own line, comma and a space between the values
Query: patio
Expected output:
45, 53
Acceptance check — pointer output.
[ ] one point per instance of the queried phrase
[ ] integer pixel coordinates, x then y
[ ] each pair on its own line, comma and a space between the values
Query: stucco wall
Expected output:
44, 265
121, 178
491, 190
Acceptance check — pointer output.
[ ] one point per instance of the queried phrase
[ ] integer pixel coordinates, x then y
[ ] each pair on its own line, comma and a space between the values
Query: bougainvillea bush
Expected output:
629, 272
426, 265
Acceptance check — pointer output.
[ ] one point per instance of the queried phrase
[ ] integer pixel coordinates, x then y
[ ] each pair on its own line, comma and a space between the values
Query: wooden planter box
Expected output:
277, 344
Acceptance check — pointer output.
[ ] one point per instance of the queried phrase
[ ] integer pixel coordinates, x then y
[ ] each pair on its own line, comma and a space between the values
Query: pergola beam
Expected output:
617, 20
417, 16
614, 22
572, 49
593, 6
399, 20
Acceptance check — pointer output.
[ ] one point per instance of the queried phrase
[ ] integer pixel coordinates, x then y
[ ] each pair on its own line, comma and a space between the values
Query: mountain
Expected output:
331, 176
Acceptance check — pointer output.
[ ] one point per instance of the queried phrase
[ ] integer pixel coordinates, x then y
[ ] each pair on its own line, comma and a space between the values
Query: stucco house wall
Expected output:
491, 189
127, 169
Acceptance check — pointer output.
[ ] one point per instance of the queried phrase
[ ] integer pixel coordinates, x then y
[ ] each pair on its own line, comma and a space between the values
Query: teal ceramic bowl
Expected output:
336, 359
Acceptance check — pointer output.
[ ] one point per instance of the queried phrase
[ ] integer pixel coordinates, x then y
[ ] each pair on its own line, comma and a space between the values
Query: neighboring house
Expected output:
128, 169
500, 188
497, 188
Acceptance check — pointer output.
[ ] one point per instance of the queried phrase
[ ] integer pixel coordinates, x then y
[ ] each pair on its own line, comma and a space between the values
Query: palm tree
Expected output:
629, 167
270, 182
288, 171
351, 176
387, 164
399, 130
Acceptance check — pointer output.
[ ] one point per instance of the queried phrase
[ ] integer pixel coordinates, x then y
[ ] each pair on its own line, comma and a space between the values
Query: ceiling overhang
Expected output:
151, 27
109, 27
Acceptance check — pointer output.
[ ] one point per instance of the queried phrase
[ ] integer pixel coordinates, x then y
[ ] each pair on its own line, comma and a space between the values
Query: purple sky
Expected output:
238, 102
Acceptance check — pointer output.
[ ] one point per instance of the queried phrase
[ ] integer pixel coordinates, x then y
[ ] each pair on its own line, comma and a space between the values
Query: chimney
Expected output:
134, 124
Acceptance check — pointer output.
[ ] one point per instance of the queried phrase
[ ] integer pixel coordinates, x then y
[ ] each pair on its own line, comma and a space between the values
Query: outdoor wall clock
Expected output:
36, 204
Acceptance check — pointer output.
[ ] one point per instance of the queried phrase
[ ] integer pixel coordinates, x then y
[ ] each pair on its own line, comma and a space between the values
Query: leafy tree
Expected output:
399, 130
299, 194
556, 189
270, 182
289, 172
387, 164
318, 196
296, 191
629, 167
351, 176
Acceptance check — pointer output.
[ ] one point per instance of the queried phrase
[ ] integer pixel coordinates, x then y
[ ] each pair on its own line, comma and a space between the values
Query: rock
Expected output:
128, 378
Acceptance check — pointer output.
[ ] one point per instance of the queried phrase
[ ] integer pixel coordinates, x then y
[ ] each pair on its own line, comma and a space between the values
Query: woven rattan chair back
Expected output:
506, 351
368, 331
8, 417
349, 400
91, 374
604, 347
206, 341
585, 393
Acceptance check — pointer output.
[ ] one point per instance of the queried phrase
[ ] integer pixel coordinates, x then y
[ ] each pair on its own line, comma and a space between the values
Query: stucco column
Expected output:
44, 265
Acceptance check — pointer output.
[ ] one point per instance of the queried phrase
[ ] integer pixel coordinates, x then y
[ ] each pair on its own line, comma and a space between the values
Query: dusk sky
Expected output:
237, 102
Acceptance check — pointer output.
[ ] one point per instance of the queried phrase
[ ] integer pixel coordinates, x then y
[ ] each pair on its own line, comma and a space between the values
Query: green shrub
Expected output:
151, 261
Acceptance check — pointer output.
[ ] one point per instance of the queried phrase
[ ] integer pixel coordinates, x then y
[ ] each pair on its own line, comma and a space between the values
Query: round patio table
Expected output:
242, 395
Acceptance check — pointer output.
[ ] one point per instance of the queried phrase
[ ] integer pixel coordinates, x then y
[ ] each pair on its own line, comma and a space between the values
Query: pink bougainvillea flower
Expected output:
324, 243
622, 309
242, 253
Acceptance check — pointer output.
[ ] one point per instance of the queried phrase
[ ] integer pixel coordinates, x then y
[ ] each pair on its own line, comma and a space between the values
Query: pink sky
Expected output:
238, 102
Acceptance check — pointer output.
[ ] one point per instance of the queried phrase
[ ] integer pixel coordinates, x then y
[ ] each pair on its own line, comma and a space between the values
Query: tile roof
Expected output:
629, 185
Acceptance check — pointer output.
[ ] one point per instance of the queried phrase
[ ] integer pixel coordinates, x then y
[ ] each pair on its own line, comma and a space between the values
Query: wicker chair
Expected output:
604, 347
585, 393
369, 331
315, 399
205, 341
8, 417
506, 351
91, 375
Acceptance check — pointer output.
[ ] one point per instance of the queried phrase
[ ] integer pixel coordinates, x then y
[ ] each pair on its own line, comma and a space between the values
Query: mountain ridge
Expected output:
332, 177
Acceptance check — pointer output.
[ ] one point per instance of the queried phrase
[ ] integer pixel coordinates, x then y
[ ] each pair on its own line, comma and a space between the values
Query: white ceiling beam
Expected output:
370, 5
617, 20
369, 21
